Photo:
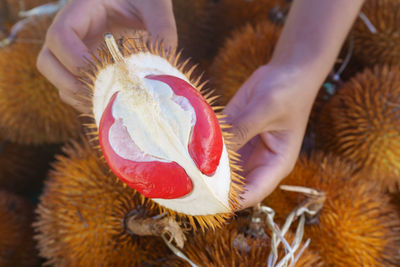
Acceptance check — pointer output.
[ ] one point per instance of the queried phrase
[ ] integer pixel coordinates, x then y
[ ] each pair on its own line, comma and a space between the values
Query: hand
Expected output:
269, 114
79, 27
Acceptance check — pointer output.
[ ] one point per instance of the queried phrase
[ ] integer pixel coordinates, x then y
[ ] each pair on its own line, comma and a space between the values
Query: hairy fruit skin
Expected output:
80, 218
233, 246
230, 68
43, 117
383, 46
357, 225
361, 124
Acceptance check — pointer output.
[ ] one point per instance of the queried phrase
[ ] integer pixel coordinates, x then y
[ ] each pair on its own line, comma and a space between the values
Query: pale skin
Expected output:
269, 113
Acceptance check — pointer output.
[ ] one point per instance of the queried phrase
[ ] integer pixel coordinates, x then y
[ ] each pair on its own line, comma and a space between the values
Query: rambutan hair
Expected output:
357, 225
31, 111
361, 124
82, 213
380, 44
231, 69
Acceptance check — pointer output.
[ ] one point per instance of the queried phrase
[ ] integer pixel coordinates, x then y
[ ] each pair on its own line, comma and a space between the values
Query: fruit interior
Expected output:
159, 135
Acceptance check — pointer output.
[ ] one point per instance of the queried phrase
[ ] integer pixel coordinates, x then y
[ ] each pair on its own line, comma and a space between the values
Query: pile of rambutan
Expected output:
149, 177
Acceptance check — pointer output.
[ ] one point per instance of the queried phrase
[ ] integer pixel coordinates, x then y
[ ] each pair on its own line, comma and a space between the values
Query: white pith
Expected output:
152, 124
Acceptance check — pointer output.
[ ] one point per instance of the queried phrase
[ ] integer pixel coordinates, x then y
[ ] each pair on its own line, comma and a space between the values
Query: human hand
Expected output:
79, 27
269, 114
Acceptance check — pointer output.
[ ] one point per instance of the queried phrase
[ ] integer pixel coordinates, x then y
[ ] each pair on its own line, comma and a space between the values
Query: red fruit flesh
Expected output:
153, 179
206, 144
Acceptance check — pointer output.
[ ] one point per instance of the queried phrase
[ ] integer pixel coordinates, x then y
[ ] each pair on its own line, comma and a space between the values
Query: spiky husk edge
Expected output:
137, 43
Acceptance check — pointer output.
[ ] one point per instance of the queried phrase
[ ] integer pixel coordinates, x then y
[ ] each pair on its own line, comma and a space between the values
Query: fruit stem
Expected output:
113, 47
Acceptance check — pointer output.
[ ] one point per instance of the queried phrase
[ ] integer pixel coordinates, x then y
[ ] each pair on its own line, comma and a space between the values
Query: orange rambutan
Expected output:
31, 111
234, 246
361, 123
229, 15
231, 69
83, 213
160, 133
17, 247
357, 225
377, 36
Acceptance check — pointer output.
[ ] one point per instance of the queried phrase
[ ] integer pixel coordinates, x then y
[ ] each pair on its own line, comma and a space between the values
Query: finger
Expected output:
159, 20
69, 87
64, 38
269, 163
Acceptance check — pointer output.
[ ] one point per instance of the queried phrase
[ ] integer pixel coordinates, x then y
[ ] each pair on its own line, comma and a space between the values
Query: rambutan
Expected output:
83, 212
234, 246
357, 225
231, 69
17, 247
31, 111
158, 133
377, 33
229, 15
361, 123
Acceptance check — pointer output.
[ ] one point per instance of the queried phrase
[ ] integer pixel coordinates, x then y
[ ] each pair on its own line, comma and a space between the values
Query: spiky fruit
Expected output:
231, 68
382, 46
229, 15
357, 225
82, 213
233, 246
23, 168
31, 111
361, 123
159, 135
17, 247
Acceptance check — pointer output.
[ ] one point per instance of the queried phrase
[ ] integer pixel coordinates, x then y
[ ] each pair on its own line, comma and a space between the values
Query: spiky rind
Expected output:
137, 44
17, 247
383, 46
357, 226
31, 111
229, 15
233, 246
81, 215
361, 123
231, 68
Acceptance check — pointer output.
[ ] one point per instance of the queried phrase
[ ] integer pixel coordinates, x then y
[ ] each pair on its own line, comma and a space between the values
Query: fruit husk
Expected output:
382, 47
357, 225
234, 246
361, 124
83, 212
31, 111
248, 49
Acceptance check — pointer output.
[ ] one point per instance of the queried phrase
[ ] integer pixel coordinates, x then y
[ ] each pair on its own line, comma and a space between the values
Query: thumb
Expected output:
159, 20
244, 127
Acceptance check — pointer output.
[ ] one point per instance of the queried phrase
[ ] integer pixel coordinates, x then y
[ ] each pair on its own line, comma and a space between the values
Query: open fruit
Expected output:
158, 133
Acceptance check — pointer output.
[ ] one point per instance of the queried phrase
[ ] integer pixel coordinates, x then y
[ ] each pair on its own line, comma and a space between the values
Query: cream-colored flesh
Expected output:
160, 125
